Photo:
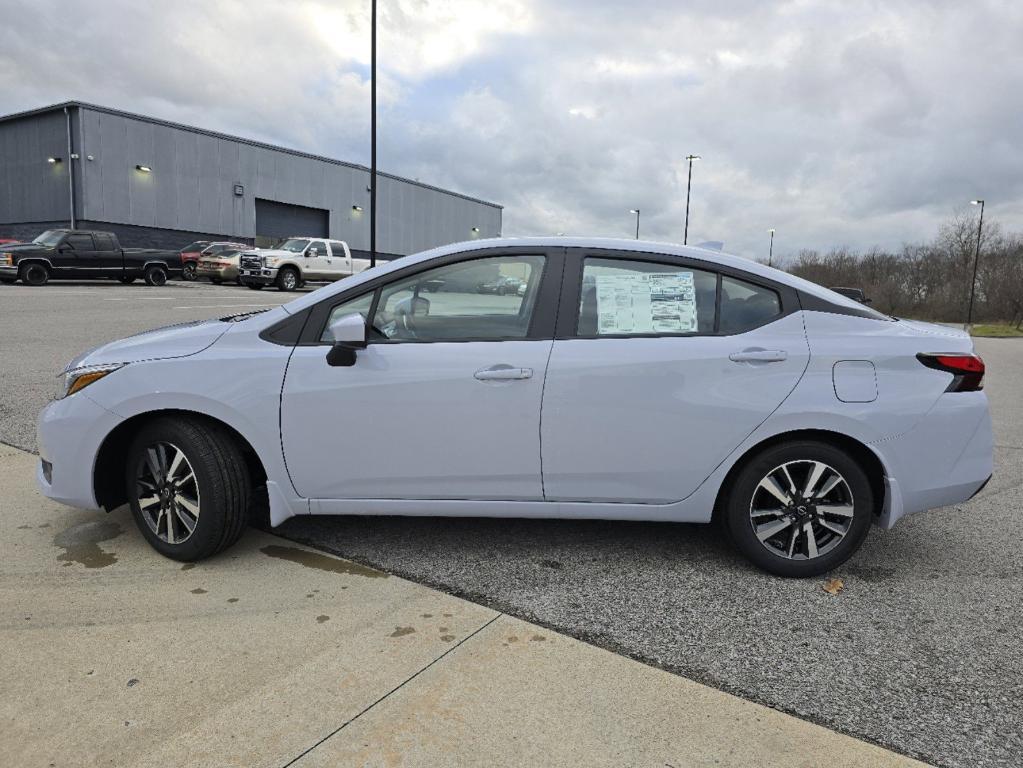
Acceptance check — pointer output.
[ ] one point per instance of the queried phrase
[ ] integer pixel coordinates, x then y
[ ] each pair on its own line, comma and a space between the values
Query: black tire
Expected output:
739, 505
126, 280
222, 481
288, 279
155, 275
34, 274
188, 271
255, 286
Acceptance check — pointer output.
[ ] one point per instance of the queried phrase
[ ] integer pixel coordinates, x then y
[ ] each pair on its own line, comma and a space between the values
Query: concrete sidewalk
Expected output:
275, 655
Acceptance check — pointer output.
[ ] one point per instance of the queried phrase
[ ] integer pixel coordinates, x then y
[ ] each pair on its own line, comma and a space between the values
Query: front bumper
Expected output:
8, 271
69, 433
261, 276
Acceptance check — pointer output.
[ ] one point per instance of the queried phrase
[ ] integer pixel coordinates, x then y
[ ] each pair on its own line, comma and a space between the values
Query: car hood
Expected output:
179, 340
15, 247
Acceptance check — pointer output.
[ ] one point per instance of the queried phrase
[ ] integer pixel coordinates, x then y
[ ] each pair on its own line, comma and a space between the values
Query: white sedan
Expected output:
628, 380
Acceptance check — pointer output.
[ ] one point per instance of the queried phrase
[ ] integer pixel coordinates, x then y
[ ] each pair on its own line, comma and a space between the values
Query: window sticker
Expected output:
645, 302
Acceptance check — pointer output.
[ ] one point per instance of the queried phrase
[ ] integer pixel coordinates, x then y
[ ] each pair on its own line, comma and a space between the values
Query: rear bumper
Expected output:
946, 459
229, 273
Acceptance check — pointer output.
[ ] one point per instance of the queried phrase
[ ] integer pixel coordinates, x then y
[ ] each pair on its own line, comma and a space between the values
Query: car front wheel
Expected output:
287, 279
188, 487
188, 271
34, 274
800, 508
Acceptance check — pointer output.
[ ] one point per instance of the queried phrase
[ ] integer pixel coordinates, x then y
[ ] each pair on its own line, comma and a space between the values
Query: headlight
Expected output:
79, 378
270, 261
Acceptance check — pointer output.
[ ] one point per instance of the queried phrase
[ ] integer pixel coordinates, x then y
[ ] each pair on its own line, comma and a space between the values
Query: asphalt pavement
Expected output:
920, 651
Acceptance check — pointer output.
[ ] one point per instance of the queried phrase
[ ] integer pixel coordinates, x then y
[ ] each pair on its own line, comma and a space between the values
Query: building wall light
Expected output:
53, 160
476, 230
357, 208
143, 168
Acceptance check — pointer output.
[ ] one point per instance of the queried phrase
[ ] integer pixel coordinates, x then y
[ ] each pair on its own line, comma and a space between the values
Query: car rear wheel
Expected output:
155, 275
188, 271
34, 274
287, 279
800, 509
188, 488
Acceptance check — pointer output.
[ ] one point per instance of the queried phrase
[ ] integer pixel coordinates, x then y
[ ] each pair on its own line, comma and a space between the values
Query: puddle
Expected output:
321, 619
321, 562
447, 638
402, 631
198, 591
81, 543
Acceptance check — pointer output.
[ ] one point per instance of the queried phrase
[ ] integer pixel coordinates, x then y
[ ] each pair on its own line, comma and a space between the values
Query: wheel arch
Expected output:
860, 452
107, 473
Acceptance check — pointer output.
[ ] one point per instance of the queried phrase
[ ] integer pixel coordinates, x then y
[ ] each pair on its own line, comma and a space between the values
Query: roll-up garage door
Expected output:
275, 221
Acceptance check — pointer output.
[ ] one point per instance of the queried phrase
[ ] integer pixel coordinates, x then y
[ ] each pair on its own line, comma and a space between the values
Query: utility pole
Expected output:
689, 185
770, 253
976, 259
373, 137
636, 211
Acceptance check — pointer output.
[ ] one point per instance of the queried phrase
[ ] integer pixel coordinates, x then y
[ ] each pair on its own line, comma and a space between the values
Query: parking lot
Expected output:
919, 652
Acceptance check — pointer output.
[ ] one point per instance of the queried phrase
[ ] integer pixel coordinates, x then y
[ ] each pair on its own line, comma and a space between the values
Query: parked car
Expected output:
501, 285
219, 267
856, 294
299, 260
795, 415
191, 254
78, 254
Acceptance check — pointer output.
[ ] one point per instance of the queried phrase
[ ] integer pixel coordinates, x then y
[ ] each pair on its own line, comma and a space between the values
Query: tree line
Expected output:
931, 281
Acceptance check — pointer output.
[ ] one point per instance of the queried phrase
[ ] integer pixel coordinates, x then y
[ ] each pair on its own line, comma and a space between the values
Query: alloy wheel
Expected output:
167, 492
289, 280
802, 510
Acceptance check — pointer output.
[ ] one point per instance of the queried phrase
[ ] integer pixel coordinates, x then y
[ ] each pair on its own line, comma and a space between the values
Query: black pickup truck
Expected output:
77, 254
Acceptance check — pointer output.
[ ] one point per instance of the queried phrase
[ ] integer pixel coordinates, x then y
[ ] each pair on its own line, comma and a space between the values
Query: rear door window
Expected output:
745, 306
639, 298
80, 242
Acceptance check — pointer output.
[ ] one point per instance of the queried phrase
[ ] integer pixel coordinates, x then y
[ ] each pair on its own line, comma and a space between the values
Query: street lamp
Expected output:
373, 136
770, 253
976, 258
689, 184
636, 211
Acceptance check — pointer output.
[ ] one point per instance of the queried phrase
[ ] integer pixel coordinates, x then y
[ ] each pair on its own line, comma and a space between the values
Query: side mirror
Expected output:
349, 334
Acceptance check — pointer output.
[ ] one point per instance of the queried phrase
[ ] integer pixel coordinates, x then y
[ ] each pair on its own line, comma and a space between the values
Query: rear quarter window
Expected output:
745, 305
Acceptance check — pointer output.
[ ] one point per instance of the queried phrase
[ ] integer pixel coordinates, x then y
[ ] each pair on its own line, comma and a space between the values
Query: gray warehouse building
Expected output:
162, 185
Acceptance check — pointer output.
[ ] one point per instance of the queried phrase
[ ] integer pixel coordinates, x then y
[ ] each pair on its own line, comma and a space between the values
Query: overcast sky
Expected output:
837, 123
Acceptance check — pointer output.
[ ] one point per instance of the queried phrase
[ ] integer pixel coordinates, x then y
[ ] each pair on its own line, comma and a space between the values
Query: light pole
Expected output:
976, 258
636, 211
770, 253
689, 185
373, 136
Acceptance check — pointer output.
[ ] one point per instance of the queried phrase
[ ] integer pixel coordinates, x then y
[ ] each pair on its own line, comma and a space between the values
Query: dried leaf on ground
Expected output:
834, 586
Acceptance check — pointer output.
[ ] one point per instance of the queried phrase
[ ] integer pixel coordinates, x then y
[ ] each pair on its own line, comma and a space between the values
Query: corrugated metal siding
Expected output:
192, 188
31, 189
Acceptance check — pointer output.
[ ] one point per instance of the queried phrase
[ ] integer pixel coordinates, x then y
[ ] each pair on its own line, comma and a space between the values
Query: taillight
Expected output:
967, 370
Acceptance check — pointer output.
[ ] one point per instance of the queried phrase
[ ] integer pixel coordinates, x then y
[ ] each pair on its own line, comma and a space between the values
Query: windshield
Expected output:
295, 246
195, 247
49, 237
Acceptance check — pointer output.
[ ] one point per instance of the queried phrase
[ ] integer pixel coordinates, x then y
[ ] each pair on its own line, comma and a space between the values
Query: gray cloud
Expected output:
836, 123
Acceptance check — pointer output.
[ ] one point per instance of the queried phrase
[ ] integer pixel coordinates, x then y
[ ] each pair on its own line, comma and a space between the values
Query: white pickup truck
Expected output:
296, 261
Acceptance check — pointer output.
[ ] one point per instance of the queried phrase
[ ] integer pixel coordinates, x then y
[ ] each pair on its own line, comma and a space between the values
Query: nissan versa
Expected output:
627, 380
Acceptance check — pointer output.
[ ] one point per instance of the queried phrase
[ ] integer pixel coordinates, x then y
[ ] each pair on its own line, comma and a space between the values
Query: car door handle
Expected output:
502, 373
759, 356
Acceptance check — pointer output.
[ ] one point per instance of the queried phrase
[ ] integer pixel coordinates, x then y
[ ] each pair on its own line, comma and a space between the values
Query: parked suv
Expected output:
298, 260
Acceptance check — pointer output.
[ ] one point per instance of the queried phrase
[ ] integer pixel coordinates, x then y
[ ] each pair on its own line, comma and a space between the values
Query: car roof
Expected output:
711, 257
